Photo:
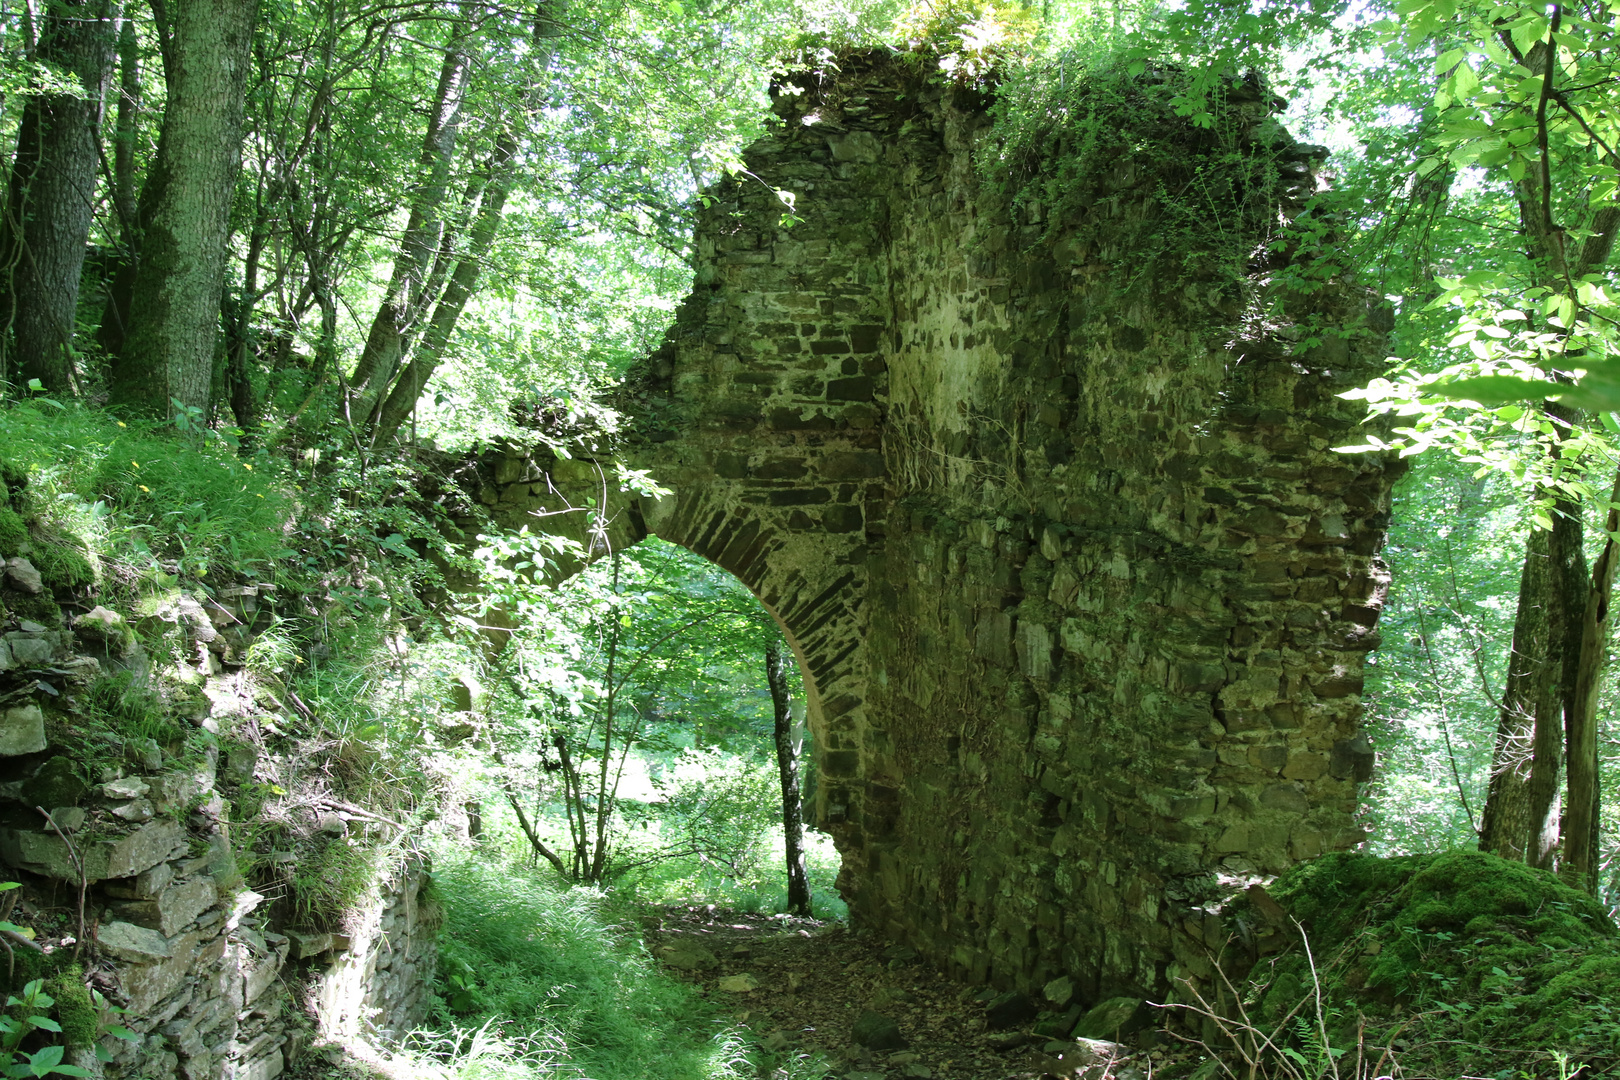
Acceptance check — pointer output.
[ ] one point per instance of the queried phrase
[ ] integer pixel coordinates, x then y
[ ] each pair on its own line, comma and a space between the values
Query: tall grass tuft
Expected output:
549, 966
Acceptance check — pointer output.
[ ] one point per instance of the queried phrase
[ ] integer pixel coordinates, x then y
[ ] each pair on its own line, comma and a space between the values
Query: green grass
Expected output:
190, 499
562, 975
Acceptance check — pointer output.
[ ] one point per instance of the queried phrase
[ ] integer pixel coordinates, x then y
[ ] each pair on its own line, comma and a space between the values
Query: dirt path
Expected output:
804, 984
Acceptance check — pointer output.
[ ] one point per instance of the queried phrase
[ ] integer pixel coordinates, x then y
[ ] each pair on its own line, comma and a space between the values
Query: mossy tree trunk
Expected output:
53, 192
1580, 825
1528, 697
167, 358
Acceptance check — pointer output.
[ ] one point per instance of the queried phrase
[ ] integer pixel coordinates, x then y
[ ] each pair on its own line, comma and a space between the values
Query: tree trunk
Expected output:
1530, 692
500, 176
1580, 826
239, 323
129, 108
52, 192
787, 764
1566, 561
167, 360
402, 304
430, 350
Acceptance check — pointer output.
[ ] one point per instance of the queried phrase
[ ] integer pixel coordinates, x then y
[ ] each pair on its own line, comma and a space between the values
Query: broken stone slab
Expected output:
130, 787
6, 661
32, 649
240, 761
148, 984
1059, 992
70, 819
1058, 1025
306, 945
171, 792
124, 857
173, 909
266, 1068
55, 783
875, 1031
22, 576
241, 906
687, 956
137, 944
143, 886
135, 810
259, 979
22, 730
145, 754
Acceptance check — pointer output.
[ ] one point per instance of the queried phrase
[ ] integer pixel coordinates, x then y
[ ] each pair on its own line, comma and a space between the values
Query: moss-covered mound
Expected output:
1468, 963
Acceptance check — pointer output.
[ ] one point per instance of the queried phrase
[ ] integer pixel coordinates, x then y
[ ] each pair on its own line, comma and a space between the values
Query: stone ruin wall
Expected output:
1081, 593
216, 983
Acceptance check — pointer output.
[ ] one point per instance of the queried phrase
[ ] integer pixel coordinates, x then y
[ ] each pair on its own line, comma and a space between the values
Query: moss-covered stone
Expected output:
13, 478
1491, 956
22, 967
62, 566
74, 1010
13, 532
41, 609
57, 783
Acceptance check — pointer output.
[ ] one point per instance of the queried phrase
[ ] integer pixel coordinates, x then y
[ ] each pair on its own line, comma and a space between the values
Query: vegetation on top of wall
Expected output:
1079, 136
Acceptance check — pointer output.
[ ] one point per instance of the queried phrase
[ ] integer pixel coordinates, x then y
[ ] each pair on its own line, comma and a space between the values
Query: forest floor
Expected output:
802, 985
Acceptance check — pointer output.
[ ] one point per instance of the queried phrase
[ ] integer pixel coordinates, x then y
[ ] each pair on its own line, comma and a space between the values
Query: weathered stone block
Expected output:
22, 730
136, 944
174, 908
22, 576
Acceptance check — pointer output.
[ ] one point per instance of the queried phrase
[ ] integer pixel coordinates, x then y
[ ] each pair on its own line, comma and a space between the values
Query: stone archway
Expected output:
1080, 589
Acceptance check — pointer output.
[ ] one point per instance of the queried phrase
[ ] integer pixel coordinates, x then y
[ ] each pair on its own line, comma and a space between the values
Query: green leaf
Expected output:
1465, 83
1494, 389
47, 1056
1449, 59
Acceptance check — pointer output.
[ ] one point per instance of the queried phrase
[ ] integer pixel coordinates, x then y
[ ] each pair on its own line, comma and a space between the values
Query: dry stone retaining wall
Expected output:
211, 988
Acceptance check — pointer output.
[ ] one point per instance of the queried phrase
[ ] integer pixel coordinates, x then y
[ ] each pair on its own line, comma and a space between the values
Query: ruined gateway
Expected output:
1080, 591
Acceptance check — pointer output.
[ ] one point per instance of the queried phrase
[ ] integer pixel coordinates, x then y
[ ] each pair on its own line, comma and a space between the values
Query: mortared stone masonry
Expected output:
1080, 590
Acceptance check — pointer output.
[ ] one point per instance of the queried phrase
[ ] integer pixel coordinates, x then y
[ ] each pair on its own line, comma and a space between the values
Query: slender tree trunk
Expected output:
52, 191
787, 765
603, 799
239, 322
168, 355
429, 352
129, 109
1580, 826
1566, 561
119, 277
500, 177
402, 304
1529, 692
